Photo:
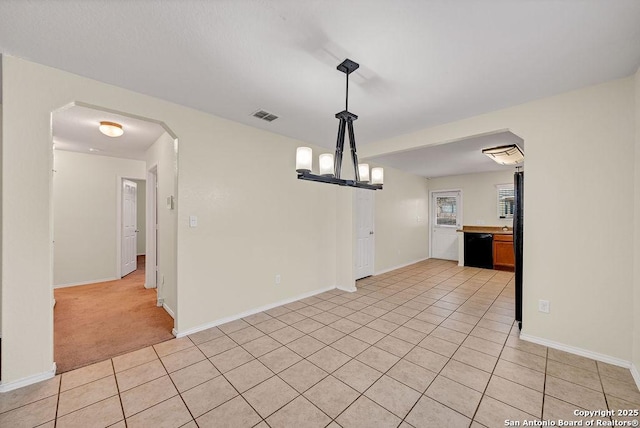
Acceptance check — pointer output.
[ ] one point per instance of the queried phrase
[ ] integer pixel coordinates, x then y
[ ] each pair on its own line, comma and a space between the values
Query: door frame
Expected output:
151, 264
118, 184
432, 214
119, 179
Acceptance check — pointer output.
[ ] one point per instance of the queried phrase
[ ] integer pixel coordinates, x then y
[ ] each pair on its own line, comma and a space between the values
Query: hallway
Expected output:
99, 321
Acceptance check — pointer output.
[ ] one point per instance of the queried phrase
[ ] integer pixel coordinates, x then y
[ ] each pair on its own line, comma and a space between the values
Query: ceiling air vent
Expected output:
265, 115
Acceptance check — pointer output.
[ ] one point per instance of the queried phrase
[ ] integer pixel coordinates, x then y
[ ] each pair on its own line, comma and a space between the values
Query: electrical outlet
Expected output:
278, 279
543, 306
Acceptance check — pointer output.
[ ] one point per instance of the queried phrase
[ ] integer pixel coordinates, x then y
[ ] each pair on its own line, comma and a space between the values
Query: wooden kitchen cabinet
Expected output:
503, 253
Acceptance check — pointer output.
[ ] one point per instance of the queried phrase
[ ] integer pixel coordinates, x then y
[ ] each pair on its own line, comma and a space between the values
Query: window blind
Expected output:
506, 200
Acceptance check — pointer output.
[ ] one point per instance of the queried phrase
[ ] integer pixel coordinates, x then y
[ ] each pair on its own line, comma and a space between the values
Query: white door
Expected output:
446, 218
129, 227
365, 238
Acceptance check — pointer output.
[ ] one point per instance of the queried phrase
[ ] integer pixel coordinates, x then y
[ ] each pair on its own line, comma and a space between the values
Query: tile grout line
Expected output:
484, 393
399, 292
173, 383
544, 385
450, 358
55, 418
263, 419
606, 400
124, 418
460, 345
354, 358
402, 419
405, 289
413, 317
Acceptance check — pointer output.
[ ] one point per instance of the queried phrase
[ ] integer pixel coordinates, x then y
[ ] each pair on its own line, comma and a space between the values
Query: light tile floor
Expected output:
429, 345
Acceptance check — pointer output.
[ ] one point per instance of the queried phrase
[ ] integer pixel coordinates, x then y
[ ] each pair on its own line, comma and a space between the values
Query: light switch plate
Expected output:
543, 306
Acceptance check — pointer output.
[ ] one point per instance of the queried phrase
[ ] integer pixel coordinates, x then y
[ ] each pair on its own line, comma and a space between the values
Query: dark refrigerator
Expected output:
518, 223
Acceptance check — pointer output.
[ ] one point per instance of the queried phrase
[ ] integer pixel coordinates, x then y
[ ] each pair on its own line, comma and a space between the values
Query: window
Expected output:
506, 200
446, 210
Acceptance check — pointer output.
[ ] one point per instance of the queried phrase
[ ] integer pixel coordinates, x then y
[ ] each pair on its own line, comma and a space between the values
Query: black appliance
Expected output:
518, 223
478, 250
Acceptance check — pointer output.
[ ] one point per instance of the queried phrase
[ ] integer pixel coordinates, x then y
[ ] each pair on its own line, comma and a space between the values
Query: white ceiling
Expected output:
75, 129
422, 62
454, 158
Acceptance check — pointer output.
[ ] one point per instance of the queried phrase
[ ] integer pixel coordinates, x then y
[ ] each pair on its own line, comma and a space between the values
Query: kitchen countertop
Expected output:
495, 230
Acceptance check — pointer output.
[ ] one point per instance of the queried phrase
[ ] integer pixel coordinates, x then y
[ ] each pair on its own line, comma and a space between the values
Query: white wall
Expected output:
141, 216
1, 133
252, 227
85, 205
575, 256
401, 220
163, 155
479, 195
345, 230
636, 259
256, 219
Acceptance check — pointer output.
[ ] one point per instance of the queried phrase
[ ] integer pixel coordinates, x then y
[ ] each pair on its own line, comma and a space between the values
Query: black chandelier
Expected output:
331, 165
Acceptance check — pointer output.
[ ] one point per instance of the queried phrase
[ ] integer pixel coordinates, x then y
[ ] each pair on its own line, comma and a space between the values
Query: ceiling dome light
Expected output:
111, 129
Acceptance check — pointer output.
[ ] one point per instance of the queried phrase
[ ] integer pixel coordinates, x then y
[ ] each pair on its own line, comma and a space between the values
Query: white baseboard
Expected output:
29, 380
249, 312
635, 374
93, 281
401, 266
169, 310
348, 289
577, 351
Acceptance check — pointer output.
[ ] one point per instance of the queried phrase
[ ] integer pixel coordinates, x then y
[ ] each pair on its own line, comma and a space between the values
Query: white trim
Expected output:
169, 310
225, 320
400, 266
347, 289
119, 220
460, 248
635, 374
93, 281
577, 351
29, 380
150, 275
141, 254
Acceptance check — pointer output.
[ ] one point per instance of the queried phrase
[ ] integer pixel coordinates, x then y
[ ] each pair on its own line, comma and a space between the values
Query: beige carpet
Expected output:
98, 321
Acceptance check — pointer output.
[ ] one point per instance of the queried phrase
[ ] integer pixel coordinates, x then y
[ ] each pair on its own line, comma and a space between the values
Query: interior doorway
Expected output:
446, 219
102, 212
129, 230
365, 233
